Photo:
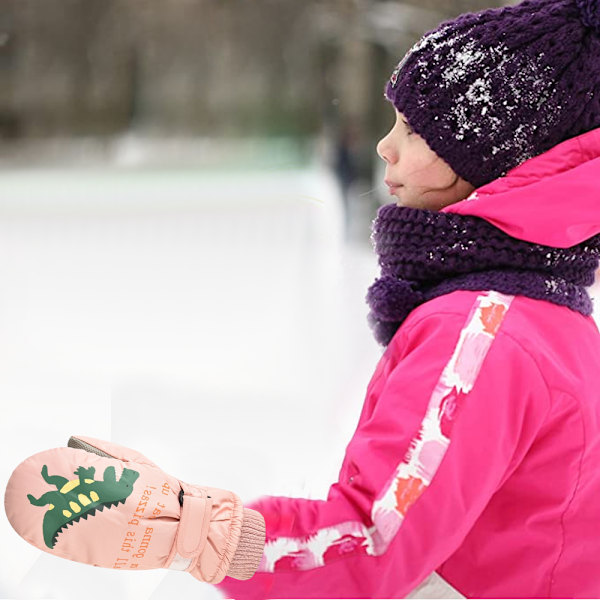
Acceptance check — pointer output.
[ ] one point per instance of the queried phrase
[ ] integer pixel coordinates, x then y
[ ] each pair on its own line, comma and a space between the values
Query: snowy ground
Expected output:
216, 322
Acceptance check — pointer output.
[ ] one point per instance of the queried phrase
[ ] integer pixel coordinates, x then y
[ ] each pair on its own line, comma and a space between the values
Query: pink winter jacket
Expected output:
506, 501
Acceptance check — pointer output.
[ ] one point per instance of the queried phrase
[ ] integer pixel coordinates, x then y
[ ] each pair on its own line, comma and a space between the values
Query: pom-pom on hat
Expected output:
489, 90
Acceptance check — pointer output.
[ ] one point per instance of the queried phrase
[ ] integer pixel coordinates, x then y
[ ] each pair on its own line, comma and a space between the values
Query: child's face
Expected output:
424, 179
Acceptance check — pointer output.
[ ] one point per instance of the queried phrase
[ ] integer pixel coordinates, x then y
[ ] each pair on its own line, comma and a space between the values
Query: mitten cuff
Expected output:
251, 546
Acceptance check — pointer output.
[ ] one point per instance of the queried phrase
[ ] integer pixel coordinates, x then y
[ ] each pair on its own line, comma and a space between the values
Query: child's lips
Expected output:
393, 187
392, 184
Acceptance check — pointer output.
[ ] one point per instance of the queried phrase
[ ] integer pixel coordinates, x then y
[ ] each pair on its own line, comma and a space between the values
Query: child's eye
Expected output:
408, 127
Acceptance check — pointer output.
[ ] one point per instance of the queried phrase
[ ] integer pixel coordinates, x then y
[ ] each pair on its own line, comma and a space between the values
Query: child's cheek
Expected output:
440, 175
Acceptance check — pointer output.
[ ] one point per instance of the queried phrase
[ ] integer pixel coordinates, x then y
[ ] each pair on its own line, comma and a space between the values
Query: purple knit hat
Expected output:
491, 89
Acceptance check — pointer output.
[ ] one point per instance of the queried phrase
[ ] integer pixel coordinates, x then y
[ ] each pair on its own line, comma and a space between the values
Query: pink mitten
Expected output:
123, 512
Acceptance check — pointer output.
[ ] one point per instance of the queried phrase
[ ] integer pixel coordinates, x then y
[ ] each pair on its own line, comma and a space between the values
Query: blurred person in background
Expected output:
345, 165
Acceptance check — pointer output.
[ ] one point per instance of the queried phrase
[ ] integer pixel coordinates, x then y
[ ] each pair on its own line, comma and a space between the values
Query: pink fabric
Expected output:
477, 449
122, 511
527, 202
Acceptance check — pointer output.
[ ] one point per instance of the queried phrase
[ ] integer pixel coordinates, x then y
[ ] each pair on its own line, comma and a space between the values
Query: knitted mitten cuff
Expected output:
251, 546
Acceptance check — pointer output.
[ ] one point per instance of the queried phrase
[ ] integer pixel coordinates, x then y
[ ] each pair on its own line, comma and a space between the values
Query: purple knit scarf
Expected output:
424, 254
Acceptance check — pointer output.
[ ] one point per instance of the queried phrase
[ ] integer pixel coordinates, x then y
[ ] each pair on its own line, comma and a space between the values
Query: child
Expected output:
476, 453
475, 458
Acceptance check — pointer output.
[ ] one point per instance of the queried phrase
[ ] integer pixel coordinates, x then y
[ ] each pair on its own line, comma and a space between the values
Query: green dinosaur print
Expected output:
81, 497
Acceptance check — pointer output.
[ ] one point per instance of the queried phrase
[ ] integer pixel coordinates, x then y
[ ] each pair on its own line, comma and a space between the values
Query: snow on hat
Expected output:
489, 90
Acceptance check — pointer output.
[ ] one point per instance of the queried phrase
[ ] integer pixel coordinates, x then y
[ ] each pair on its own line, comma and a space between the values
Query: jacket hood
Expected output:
551, 199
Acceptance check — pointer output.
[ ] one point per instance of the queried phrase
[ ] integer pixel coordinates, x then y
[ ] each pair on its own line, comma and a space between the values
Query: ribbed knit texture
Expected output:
424, 254
250, 547
490, 89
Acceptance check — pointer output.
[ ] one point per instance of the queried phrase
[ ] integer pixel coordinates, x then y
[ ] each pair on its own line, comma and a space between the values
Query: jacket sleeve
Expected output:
450, 411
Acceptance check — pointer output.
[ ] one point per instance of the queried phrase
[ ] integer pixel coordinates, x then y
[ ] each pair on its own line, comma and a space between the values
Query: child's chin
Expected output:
403, 201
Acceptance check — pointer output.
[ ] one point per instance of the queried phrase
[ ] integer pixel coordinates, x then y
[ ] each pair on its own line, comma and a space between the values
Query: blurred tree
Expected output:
10, 126
204, 67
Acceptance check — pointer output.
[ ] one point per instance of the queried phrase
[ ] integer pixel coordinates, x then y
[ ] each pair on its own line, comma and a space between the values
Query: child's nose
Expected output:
384, 149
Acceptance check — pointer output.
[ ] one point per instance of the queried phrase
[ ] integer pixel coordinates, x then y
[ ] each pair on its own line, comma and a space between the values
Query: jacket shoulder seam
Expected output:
502, 331
537, 366
575, 490
579, 467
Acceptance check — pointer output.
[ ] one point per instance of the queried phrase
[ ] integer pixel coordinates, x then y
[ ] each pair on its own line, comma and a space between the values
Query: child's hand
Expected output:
131, 514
